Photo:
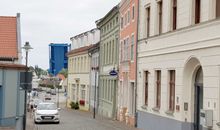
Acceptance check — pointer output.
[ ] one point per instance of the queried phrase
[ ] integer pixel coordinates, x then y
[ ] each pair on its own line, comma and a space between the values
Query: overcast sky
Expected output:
53, 21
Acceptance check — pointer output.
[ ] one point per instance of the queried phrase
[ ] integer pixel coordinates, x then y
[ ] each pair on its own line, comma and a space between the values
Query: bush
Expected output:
74, 105
77, 106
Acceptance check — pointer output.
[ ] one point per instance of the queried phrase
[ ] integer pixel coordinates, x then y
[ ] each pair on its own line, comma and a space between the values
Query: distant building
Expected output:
127, 61
58, 57
109, 41
85, 39
79, 67
78, 77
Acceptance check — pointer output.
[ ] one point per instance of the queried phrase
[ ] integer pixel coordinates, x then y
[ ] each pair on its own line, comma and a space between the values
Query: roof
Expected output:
81, 49
8, 37
115, 8
61, 76
84, 33
12, 66
59, 44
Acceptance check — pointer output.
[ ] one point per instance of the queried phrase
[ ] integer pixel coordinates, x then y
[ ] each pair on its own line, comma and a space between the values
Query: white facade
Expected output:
78, 79
85, 39
185, 50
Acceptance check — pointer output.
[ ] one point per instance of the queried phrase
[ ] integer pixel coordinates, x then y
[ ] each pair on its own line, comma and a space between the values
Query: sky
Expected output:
53, 21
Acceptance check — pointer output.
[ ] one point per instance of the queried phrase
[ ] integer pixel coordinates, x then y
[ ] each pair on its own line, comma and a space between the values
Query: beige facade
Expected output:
191, 52
78, 77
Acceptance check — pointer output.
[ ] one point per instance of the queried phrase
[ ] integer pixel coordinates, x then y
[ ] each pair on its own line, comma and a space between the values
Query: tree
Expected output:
39, 71
64, 72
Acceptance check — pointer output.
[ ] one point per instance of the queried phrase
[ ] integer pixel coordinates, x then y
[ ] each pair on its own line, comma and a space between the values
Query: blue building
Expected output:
58, 58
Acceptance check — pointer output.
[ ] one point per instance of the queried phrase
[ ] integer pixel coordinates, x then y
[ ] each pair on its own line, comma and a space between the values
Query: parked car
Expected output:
47, 97
46, 112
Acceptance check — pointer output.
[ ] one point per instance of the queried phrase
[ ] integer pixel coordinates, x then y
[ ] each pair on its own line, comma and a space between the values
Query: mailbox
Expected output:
206, 118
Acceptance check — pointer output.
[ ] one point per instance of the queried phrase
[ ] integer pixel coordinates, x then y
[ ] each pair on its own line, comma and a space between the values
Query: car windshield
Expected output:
46, 107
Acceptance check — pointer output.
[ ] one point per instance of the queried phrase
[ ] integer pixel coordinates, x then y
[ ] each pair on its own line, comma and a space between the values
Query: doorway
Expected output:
198, 99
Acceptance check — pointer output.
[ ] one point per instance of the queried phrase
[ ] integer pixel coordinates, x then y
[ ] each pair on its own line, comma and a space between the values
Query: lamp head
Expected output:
27, 46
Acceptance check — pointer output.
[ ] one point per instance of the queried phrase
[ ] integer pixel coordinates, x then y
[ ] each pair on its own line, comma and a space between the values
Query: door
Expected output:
198, 100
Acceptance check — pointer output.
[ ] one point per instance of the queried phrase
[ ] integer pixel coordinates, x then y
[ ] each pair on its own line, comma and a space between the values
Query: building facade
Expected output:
58, 57
79, 65
11, 96
127, 60
108, 84
11, 91
79, 77
178, 65
94, 77
85, 39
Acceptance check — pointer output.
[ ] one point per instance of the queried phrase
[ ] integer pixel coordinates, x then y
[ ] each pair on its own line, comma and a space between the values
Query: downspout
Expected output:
136, 69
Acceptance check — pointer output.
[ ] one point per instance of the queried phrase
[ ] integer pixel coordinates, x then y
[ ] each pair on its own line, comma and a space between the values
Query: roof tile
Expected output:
8, 37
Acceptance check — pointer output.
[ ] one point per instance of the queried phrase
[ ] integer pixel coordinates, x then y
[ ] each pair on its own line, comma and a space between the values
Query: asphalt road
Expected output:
78, 120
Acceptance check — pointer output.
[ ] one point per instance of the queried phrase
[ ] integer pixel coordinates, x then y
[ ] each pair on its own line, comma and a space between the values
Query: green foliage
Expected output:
64, 72
39, 71
74, 105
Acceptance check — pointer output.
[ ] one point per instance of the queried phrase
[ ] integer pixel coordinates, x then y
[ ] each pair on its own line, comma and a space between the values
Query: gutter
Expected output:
135, 108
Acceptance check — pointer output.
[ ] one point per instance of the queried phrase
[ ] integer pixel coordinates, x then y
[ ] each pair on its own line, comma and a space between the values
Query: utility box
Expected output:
206, 118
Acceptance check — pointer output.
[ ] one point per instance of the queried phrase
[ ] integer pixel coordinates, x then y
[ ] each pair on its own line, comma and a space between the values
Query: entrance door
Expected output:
198, 99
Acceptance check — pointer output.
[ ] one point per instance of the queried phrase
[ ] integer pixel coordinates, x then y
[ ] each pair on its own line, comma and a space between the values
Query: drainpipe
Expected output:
136, 114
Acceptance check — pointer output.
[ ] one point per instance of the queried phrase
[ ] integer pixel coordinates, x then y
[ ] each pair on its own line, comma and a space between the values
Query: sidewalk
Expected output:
117, 124
6, 128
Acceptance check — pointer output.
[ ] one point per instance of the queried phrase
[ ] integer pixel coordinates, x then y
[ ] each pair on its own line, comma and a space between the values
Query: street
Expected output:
76, 120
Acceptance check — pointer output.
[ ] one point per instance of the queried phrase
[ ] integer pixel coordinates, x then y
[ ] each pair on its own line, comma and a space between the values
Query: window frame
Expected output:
146, 87
197, 12
172, 87
158, 89
160, 16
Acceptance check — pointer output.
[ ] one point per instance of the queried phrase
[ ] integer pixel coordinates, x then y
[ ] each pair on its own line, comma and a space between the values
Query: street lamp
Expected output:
94, 107
26, 47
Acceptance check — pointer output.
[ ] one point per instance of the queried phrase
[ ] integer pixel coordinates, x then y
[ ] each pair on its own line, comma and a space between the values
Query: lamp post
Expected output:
95, 69
26, 47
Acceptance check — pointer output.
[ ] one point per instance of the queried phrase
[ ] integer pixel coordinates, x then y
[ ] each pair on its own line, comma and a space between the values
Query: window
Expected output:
146, 88
197, 11
128, 16
122, 22
104, 55
124, 50
133, 12
148, 21
158, 88
174, 14
172, 90
126, 19
132, 47
83, 92
217, 8
127, 49
160, 7
121, 50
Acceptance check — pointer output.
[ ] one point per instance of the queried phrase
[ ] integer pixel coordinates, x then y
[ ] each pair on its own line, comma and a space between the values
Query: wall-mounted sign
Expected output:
113, 72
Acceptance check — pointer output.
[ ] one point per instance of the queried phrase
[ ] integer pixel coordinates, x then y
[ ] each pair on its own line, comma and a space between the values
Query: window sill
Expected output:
156, 109
169, 112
